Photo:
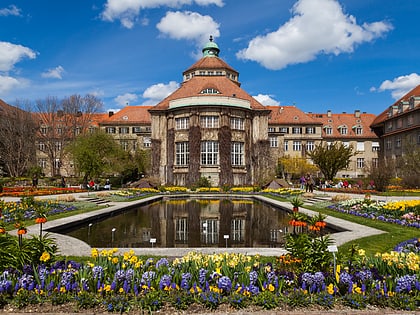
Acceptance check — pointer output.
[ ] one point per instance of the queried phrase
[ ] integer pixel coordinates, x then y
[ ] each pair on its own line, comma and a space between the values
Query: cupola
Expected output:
211, 49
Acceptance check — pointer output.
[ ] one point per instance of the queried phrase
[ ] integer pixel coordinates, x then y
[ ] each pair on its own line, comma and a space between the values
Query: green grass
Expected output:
395, 233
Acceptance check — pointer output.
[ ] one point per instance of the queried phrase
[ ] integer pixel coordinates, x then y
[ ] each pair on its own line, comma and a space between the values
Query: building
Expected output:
351, 129
398, 127
210, 127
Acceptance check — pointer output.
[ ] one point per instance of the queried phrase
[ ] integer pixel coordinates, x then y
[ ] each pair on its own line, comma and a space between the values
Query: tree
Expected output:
17, 141
382, 173
330, 158
96, 153
409, 165
296, 166
61, 121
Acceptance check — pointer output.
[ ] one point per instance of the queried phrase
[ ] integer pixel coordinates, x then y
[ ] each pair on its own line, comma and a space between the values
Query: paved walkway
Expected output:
70, 246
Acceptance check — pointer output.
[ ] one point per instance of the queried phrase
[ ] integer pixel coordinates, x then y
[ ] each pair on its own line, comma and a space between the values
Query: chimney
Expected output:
357, 113
110, 113
329, 113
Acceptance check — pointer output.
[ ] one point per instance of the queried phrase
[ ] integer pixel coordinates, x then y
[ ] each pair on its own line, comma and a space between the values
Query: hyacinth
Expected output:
161, 263
165, 282
97, 272
406, 283
345, 278
364, 275
224, 284
202, 273
148, 276
253, 277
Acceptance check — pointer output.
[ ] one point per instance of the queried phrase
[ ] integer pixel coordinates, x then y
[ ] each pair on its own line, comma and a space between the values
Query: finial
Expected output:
211, 38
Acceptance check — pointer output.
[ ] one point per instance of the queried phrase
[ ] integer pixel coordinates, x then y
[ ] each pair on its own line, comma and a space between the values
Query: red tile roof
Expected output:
206, 63
194, 86
384, 115
129, 115
289, 115
348, 120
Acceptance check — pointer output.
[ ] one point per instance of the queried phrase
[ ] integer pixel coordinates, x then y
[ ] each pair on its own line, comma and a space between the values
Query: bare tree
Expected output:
17, 140
61, 121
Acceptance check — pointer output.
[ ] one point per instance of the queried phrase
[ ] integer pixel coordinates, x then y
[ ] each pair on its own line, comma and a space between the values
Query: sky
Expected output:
318, 55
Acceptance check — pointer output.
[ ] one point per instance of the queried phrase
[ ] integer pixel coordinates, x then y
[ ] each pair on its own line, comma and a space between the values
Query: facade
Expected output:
398, 127
210, 128
352, 130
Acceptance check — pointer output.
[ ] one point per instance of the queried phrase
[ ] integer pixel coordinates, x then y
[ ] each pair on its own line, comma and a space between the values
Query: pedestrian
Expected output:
107, 184
63, 182
35, 181
302, 182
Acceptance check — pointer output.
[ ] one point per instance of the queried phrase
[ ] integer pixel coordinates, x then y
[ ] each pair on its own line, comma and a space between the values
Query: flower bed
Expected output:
22, 191
405, 212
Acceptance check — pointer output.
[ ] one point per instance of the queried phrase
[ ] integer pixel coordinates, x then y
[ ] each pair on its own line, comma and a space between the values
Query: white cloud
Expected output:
188, 25
10, 54
55, 73
158, 92
399, 86
126, 99
8, 83
10, 10
317, 27
266, 100
128, 11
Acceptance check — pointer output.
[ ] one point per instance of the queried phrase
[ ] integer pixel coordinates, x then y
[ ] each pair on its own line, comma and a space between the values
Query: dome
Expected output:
211, 48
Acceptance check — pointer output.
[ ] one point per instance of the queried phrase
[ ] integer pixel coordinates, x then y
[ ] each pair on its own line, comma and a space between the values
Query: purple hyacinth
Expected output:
202, 273
225, 284
253, 277
98, 272
405, 283
165, 281
161, 263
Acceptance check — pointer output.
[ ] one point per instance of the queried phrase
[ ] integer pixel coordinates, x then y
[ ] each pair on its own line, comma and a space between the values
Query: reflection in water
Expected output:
190, 223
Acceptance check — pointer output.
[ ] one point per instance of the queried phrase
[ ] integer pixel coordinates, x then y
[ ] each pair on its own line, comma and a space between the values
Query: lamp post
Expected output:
89, 226
112, 236
226, 237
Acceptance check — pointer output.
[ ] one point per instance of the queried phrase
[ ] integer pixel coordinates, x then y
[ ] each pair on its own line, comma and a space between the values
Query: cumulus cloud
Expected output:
128, 11
126, 99
8, 83
188, 25
10, 54
10, 10
399, 86
317, 27
55, 73
158, 92
266, 100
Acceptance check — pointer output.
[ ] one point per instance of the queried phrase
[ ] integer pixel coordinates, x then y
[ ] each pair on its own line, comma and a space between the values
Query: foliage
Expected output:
296, 201
296, 166
382, 173
96, 153
330, 158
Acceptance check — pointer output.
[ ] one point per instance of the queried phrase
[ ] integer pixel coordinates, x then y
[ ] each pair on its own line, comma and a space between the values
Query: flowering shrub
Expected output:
404, 212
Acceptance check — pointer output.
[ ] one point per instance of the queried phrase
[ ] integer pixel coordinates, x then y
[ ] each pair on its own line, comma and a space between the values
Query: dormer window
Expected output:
209, 91
343, 129
358, 130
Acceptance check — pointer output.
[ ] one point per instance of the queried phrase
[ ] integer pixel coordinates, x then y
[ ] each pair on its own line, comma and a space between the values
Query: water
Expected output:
190, 223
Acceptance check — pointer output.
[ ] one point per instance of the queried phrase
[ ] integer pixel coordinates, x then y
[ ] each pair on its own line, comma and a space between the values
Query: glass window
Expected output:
273, 142
147, 142
388, 144
297, 146
286, 145
296, 130
182, 123
328, 131
310, 145
360, 146
310, 130
182, 153
237, 123
398, 142
110, 130
360, 162
124, 145
343, 130
237, 153
209, 153
358, 130
375, 146
124, 130
209, 121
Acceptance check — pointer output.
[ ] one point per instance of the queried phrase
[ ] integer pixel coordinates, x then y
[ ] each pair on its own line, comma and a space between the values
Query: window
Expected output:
124, 130
42, 163
310, 130
343, 130
181, 229
77, 131
296, 130
310, 146
147, 142
209, 121
124, 145
360, 163
346, 144
375, 162
59, 131
284, 129
58, 145
136, 129
286, 145
271, 129
41, 146
182, 153
92, 130
209, 153
209, 91
110, 130
375, 146
358, 130
389, 125
237, 153
388, 144
273, 142
44, 130
182, 123
297, 146
210, 231
237, 123
328, 131
398, 142
360, 146
238, 230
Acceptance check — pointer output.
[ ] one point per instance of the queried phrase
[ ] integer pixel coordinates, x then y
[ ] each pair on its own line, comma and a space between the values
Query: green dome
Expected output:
211, 48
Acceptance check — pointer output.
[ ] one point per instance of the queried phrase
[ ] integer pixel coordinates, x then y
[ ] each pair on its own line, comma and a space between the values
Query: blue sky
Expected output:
318, 55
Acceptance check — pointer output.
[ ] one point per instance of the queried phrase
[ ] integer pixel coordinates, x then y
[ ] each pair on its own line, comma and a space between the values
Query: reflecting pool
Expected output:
190, 223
